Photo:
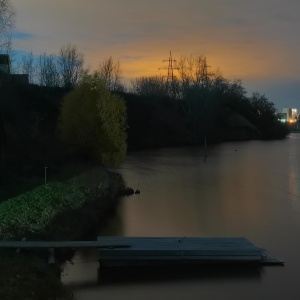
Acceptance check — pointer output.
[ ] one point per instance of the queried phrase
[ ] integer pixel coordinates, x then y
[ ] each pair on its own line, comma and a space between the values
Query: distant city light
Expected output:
289, 115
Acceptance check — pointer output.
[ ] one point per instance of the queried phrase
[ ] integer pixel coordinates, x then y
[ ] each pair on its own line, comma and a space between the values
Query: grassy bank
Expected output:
67, 210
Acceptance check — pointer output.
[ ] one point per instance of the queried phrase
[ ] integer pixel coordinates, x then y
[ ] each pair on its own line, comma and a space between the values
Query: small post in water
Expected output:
204, 148
45, 174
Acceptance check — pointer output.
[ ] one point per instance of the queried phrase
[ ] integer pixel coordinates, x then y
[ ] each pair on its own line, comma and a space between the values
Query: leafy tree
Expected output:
264, 117
264, 110
94, 121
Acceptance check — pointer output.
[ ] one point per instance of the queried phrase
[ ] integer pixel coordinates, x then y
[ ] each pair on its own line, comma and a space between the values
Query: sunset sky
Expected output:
256, 41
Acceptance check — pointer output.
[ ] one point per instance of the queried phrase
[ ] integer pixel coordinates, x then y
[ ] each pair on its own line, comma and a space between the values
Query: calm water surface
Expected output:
249, 189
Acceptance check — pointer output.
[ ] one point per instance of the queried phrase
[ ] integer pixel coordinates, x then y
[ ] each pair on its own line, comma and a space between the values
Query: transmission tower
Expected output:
202, 74
170, 68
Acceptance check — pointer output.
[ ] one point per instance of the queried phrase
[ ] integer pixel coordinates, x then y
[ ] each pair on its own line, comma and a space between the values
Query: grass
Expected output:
69, 209
33, 210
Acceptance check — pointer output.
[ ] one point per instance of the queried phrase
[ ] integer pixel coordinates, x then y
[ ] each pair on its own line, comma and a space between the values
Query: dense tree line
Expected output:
203, 99
196, 105
208, 102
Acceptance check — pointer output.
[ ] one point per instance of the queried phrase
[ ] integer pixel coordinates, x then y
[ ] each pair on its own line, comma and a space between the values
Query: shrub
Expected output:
94, 121
30, 212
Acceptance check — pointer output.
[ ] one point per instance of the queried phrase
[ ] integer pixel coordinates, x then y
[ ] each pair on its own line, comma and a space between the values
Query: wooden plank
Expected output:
176, 240
177, 244
173, 257
57, 244
155, 252
209, 242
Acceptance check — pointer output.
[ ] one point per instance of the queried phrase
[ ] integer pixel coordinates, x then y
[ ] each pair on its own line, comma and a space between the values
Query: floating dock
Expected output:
162, 251
180, 251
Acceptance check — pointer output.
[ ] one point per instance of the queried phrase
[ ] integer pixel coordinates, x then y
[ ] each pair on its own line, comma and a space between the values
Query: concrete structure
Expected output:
5, 73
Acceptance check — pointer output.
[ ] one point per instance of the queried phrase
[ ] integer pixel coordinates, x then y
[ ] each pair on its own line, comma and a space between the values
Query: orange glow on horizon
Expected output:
230, 65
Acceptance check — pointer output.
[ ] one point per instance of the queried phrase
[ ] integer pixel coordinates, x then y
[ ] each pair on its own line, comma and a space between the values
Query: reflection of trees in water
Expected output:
115, 224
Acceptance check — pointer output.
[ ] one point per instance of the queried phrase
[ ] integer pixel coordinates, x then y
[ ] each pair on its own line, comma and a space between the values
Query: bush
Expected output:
94, 121
30, 212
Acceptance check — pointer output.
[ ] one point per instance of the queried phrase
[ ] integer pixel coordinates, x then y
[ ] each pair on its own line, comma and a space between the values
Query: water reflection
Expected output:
248, 189
85, 273
154, 275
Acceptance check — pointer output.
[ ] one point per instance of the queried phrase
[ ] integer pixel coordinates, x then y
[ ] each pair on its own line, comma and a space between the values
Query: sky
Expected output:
255, 41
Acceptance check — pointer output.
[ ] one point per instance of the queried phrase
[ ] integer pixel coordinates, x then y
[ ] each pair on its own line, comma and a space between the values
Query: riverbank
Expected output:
68, 210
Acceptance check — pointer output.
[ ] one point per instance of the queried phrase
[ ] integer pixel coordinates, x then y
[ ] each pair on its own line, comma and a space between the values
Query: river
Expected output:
249, 189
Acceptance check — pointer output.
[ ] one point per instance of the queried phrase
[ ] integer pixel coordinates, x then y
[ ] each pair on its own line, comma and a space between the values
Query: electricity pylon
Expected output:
170, 68
170, 77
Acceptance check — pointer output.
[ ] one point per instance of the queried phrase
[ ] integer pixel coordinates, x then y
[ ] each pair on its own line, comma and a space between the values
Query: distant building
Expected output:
22, 79
290, 115
5, 63
6, 77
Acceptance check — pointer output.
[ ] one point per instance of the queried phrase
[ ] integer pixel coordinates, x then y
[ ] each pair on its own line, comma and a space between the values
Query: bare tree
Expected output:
150, 86
7, 21
48, 73
110, 72
71, 65
194, 70
27, 66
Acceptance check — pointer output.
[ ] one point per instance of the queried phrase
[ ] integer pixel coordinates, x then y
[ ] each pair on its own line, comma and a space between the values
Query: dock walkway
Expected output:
181, 251
146, 251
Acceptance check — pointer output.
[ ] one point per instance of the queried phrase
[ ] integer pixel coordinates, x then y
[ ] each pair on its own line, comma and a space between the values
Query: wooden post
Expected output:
45, 174
205, 154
